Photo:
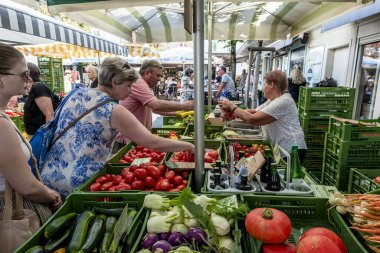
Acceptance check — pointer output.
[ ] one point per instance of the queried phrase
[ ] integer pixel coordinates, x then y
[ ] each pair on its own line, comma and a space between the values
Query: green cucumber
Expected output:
95, 234
59, 225
107, 239
109, 211
57, 243
36, 249
80, 231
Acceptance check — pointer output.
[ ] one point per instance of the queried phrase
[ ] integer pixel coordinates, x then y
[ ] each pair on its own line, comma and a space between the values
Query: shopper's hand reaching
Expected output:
188, 105
57, 199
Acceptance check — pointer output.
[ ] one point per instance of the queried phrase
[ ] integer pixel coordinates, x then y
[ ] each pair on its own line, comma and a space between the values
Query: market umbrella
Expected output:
163, 21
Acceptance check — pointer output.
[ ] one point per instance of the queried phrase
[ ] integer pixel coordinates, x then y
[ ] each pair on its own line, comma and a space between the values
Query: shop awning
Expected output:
240, 20
20, 20
143, 51
62, 50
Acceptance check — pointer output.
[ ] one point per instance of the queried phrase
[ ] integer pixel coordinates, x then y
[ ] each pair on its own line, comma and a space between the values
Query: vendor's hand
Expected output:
191, 148
188, 105
253, 111
226, 105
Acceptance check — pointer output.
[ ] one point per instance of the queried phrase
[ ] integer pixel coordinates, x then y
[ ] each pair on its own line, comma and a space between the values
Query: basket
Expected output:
350, 132
361, 180
112, 169
305, 213
79, 202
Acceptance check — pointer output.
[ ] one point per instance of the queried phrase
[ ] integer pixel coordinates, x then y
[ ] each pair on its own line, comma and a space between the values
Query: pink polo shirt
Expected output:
137, 100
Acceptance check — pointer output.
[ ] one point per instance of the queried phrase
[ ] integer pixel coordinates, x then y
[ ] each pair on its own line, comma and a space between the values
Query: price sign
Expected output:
254, 164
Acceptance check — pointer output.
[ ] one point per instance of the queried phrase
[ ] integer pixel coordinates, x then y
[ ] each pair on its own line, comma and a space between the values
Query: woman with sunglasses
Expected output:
85, 147
14, 149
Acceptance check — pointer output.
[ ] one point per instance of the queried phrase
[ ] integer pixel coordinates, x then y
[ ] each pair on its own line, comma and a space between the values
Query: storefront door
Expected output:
369, 91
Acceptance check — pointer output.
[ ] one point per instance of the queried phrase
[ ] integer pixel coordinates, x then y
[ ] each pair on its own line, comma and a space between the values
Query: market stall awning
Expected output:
23, 21
231, 20
143, 51
62, 50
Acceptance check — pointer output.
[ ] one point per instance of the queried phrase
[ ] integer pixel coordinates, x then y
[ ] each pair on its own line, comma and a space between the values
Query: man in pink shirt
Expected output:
142, 101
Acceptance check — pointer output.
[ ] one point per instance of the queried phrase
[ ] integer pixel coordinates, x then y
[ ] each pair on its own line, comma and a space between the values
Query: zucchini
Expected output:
80, 231
59, 225
107, 239
109, 211
36, 249
95, 234
57, 243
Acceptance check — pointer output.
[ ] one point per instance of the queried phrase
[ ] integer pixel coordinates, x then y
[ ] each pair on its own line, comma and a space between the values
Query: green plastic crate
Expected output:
353, 151
189, 132
116, 158
164, 131
326, 103
312, 177
326, 92
112, 169
361, 180
314, 165
312, 125
79, 202
350, 132
137, 245
315, 139
304, 213
323, 113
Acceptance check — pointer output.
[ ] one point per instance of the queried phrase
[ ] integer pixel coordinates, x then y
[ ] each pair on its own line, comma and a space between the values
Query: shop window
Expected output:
297, 58
369, 91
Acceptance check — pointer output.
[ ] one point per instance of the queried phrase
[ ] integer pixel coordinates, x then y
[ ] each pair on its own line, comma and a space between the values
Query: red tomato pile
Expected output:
248, 150
141, 152
148, 176
210, 157
273, 228
14, 114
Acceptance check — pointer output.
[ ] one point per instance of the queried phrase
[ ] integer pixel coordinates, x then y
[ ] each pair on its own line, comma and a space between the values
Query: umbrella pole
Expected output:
199, 93
248, 82
256, 76
209, 62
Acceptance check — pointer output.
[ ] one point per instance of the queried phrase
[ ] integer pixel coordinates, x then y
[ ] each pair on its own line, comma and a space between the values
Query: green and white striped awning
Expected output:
163, 22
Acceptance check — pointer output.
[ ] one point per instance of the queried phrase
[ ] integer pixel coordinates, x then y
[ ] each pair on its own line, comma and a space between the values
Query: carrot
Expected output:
374, 237
374, 249
374, 225
367, 230
367, 215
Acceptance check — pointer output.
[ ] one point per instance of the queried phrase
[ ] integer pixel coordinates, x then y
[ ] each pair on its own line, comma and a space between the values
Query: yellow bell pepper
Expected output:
183, 114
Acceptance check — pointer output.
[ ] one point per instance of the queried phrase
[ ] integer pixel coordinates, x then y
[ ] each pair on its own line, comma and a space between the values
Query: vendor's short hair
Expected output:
148, 65
188, 72
279, 79
116, 68
223, 68
34, 72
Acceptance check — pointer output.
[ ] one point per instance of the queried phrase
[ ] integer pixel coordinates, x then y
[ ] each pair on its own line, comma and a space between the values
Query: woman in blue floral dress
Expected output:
84, 149
187, 86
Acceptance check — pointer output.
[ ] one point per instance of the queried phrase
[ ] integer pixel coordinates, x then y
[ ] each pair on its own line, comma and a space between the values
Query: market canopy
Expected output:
62, 50
163, 21
32, 23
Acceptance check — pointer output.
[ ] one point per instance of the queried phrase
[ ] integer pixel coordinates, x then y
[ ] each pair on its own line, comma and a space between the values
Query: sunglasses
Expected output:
25, 75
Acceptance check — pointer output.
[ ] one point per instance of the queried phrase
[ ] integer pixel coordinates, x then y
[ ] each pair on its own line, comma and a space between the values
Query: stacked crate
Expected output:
350, 145
315, 106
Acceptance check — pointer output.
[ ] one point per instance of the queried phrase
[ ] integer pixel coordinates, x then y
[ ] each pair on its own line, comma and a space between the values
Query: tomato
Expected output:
162, 169
317, 244
377, 180
328, 233
129, 159
112, 188
123, 187
106, 186
138, 147
170, 175
138, 185
268, 225
214, 154
117, 180
181, 187
123, 161
185, 182
101, 180
150, 182
132, 168
185, 174
108, 177
278, 248
177, 180
153, 171
95, 187
129, 178
208, 159
164, 185
140, 174
175, 190
124, 172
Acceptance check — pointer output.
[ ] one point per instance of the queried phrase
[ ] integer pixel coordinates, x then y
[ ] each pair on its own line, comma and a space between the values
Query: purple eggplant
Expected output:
165, 236
177, 239
148, 240
161, 247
